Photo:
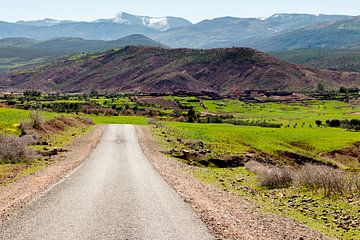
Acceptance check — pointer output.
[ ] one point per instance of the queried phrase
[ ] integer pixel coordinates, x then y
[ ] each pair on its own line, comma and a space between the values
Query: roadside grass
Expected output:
10, 173
333, 216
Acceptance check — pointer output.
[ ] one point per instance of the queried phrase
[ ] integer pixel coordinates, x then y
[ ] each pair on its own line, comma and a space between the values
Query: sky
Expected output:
193, 10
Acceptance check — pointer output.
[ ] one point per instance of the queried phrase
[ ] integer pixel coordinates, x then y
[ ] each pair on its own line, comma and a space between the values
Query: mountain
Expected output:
333, 34
17, 42
47, 22
245, 32
170, 71
19, 52
325, 58
279, 32
157, 23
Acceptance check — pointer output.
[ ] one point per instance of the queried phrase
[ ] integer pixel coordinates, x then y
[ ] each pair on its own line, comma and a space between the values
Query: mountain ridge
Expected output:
169, 71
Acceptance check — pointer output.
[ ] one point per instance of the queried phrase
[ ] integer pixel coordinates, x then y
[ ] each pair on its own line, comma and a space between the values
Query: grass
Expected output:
118, 119
288, 113
236, 140
10, 119
10, 173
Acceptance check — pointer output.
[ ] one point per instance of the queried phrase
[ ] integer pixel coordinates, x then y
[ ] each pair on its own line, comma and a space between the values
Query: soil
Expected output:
16, 195
228, 216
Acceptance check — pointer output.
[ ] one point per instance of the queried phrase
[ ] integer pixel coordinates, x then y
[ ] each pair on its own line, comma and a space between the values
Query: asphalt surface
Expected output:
115, 194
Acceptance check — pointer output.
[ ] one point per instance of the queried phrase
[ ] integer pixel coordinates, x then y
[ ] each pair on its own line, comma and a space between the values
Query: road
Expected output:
115, 194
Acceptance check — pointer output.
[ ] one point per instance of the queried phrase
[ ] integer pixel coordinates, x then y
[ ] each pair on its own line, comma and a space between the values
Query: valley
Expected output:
140, 127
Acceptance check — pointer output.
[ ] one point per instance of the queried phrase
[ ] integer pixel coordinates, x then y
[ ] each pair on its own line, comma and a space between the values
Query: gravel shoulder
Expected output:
227, 216
16, 195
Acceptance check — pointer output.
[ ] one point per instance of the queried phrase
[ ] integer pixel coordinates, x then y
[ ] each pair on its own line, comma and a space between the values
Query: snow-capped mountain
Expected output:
47, 22
157, 23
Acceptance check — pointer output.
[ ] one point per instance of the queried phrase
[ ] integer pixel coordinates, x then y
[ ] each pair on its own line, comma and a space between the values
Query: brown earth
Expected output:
228, 216
349, 156
175, 71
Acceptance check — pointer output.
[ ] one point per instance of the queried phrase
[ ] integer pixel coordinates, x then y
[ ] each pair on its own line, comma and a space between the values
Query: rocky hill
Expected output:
168, 71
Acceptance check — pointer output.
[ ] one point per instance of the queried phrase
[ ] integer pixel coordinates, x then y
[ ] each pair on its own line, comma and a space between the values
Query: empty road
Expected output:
115, 194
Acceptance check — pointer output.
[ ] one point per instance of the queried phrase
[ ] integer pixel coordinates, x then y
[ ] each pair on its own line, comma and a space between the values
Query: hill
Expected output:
16, 52
325, 58
169, 71
333, 34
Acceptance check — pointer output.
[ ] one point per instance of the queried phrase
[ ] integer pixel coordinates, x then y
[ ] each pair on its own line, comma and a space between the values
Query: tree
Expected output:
318, 123
320, 88
192, 115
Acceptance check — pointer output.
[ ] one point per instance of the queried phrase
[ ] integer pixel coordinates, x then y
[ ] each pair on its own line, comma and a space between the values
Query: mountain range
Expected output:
171, 71
276, 33
20, 52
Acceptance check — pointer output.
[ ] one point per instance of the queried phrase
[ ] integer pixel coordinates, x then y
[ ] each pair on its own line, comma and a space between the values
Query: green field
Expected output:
135, 120
10, 119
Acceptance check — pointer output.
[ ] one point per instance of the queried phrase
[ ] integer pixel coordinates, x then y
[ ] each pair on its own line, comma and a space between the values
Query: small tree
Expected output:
320, 88
36, 119
318, 123
192, 116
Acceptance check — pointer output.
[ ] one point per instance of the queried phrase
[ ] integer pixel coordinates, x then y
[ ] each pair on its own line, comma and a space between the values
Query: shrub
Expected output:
318, 123
36, 119
14, 149
331, 181
275, 177
270, 176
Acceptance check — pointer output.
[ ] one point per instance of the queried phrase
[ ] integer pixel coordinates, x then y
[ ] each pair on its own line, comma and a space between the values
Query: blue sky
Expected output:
194, 10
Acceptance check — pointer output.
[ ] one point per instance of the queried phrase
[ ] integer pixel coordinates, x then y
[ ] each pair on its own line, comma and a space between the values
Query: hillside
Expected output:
167, 71
325, 58
332, 34
17, 52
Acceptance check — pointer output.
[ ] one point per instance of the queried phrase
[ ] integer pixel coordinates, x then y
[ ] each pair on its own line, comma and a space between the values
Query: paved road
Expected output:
116, 194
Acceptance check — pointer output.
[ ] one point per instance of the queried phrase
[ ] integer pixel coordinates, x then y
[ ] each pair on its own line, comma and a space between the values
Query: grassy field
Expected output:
287, 113
225, 139
135, 120
10, 119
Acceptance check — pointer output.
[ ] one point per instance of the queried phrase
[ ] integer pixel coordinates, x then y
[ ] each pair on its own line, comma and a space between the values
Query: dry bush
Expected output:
332, 181
36, 119
275, 177
255, 167
270, 176
14, 149
317, 177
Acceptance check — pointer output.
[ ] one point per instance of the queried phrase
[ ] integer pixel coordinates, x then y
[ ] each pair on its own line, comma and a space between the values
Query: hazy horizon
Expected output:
82, 10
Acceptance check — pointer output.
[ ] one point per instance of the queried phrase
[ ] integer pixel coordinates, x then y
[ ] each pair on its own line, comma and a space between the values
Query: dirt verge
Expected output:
228, 216
16, 195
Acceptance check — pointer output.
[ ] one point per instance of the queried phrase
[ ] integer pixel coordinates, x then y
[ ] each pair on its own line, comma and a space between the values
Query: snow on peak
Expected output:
157, 23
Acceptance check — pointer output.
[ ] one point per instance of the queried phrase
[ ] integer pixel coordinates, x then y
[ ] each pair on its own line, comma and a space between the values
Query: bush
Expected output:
14, 149
316, 177
36, 119
270, 176
331, 181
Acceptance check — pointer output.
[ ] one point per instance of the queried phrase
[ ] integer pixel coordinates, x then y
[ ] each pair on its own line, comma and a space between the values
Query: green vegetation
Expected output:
135, 120
10, 119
